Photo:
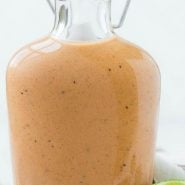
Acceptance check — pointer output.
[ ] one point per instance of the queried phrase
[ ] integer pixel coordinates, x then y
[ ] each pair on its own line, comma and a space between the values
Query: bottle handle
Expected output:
123, 16
115, 26
51, 5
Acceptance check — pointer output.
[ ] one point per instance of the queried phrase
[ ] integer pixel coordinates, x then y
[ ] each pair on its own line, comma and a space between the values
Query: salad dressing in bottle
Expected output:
83, 103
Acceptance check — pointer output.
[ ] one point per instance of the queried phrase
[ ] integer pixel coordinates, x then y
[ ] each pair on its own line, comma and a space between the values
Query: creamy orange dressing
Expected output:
83, 114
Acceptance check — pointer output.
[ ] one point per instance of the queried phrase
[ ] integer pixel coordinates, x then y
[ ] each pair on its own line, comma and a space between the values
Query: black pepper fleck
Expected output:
110, 69
74, 82
87, 149
22, 93
128, 149
126, 107
120, 66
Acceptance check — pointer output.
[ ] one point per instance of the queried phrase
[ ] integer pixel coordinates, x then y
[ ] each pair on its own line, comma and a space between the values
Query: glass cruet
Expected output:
83, 103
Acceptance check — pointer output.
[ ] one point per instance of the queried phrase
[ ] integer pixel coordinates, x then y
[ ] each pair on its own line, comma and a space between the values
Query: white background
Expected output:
156, 25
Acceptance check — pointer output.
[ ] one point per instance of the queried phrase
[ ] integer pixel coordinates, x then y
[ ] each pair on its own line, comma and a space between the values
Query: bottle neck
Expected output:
82, 20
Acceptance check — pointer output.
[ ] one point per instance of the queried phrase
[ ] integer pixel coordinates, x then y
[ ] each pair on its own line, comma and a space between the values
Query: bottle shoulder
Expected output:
113, 49
137, 53
33, 50
135, 50
115, 60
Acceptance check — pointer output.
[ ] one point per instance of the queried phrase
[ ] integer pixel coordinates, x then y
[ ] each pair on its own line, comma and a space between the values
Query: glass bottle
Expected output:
83, 103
